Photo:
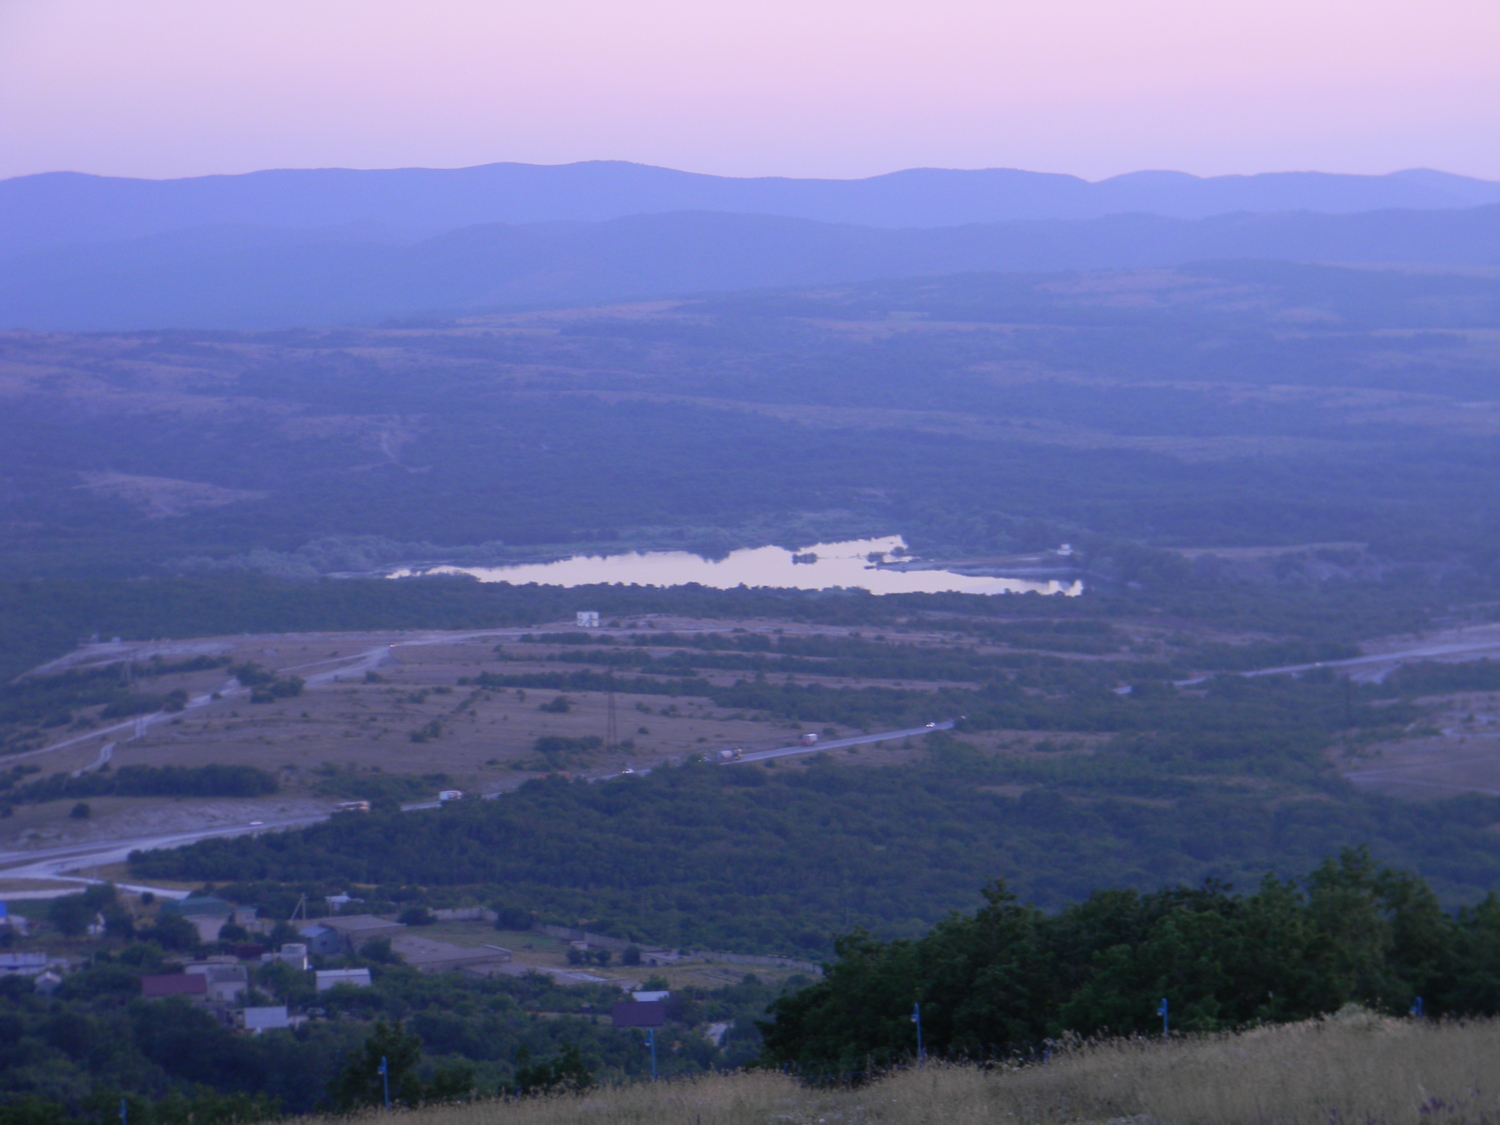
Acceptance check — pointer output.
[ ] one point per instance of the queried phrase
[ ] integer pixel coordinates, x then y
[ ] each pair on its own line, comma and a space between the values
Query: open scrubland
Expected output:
1277, 484
1350, 1067
1224, 405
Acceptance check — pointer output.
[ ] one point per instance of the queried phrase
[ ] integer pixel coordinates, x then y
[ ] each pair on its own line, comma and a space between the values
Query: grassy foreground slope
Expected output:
1350, 1067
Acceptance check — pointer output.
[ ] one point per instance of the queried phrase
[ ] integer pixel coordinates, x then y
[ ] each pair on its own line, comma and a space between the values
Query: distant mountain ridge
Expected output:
63, 208
250, 277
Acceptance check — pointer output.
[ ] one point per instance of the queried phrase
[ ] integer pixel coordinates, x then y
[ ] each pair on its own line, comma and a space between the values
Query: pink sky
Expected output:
840, 88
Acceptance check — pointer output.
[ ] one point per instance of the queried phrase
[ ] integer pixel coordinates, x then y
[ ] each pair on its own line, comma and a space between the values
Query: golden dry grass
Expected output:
1353, 1068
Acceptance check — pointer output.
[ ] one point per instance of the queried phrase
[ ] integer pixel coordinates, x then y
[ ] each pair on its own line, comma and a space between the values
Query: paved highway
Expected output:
838, 743
52, 863
57, 863
1473, 647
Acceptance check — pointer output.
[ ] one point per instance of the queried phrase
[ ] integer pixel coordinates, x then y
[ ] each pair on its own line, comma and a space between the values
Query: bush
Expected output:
173, 931
511, 917
81, 811
153, 781
71, 914
379, 950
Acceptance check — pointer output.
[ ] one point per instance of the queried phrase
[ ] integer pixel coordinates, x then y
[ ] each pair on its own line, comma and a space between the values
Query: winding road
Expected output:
62, 862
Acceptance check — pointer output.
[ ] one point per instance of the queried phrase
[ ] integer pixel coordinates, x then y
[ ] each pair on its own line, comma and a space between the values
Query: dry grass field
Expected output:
1353, 1067
371, 706
394, 704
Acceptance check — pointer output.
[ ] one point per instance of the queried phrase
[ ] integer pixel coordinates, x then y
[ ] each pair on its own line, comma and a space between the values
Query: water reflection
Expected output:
813, 568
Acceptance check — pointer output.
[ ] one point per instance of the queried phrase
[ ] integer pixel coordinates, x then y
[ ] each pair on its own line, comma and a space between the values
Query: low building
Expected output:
320, 939
227, 980
465, 914
23, 964
293, 953
332, 978
192, 985
268, 1018
430, 956
356, 929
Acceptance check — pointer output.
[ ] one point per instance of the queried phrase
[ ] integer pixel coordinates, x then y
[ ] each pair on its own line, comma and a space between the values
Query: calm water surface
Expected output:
838, 564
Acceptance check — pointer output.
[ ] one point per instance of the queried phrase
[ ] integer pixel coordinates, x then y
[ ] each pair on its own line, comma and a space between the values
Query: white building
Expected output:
355, 978
266, 1019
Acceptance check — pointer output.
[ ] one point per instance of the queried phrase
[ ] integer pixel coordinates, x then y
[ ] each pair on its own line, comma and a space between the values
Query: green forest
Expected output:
1007, 978
781, 860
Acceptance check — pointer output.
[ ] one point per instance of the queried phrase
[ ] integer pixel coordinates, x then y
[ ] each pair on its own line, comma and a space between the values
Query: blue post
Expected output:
1416, 1008
916, 1018
124, 1113
385, 1080
651, 1034
1162, 1012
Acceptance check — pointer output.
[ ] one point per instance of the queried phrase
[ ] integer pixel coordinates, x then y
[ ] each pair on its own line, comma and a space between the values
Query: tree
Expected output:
81, 811
567, 1071
361, 1082
173, 931
511, 917
71, 914
379, 950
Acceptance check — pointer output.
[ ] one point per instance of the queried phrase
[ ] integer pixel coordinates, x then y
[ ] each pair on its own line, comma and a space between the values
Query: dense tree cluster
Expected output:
1006, 978
753, 859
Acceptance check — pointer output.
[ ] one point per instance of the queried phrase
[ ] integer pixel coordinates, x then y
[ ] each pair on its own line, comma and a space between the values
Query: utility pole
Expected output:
916, 1018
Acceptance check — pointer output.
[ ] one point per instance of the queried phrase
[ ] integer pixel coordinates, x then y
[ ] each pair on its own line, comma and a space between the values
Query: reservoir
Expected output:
818, 567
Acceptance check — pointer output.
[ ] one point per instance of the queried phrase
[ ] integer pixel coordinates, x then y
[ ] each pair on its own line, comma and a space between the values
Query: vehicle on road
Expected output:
809, 739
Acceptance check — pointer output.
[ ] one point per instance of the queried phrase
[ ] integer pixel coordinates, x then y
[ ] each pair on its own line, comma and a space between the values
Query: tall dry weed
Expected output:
1351, 1069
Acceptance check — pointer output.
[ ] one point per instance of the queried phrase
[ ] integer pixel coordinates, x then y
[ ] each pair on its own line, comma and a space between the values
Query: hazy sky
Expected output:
751, 87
